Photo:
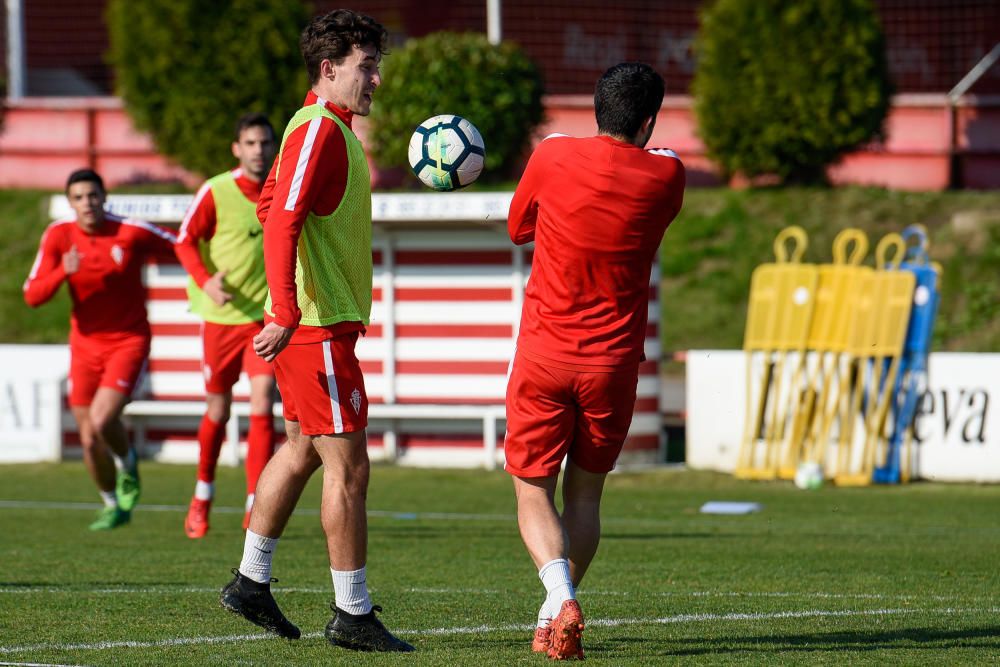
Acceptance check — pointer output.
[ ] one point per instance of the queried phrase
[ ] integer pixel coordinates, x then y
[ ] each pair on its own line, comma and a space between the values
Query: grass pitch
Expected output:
881, 575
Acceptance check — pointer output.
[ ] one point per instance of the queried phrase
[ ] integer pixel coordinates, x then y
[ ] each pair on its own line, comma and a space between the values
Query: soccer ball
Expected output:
809, 476
446, 152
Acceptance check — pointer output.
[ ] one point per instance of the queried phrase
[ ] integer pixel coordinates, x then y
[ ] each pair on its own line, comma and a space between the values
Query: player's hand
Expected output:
215, 288
271, 340
71, 261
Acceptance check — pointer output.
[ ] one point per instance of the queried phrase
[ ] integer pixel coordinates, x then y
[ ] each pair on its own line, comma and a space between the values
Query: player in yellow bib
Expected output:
316, 212
221, 246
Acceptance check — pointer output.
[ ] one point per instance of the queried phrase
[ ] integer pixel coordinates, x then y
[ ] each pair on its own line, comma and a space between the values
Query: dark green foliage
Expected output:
188, 68
785, 88
497, 88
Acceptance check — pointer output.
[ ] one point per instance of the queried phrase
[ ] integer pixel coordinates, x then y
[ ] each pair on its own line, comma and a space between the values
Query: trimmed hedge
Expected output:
496, 87
785, 88
187, 69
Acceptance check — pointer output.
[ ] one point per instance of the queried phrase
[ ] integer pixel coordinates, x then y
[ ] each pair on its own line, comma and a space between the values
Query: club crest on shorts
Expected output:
117, 254
356, 400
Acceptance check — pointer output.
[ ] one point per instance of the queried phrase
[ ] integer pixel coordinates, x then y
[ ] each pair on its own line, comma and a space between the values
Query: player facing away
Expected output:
316, 212
100, 257
221, 246
596, 209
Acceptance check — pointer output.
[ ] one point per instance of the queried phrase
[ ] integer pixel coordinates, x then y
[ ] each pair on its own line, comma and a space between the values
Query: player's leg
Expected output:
220, 366
581, 517
261, 437
118, 461
124, 367
211, 435
606, 402
278, 491
339, 438
84, 378
540, 423
96, 456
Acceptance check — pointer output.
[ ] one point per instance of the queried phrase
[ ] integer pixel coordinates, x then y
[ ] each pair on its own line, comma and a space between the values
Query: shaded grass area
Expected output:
881, 575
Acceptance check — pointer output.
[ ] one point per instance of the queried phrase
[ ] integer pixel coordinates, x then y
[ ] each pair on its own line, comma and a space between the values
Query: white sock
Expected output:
558, 585
204, 490
249, 504
110, 498
544, 615
130, 462
350, 592
257, 554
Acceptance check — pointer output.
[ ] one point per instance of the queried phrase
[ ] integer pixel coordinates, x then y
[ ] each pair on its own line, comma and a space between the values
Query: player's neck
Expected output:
618, 137
90, 227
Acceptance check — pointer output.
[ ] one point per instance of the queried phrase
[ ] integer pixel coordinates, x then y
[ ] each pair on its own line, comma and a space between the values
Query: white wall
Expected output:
957, 428
31, 401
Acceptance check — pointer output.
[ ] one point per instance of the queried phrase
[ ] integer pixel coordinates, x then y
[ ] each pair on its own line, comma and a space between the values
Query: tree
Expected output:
785, 88
187, 69
496, 87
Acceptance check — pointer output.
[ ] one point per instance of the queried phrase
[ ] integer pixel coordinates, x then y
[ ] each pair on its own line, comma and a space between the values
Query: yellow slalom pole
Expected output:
780, 304
828, 340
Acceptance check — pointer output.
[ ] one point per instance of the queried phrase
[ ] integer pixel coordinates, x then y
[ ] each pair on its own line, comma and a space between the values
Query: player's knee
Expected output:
100, 420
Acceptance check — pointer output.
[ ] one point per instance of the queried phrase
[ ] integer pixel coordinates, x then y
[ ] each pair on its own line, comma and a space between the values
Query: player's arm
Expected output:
675, 183
51, 267
523, 212
312, 160
198, 227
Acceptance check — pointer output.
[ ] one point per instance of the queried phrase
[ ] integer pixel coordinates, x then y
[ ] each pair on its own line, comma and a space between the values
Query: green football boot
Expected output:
127, 489
110, 518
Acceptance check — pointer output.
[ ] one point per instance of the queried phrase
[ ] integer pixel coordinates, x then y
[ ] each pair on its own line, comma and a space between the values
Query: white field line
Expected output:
440, 516
518, 627
36, 664
584, 594
382, 514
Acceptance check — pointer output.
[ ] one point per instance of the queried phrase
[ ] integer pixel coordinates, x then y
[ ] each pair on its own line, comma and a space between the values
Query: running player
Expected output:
317, 216
221, 246
596, 209
100, 257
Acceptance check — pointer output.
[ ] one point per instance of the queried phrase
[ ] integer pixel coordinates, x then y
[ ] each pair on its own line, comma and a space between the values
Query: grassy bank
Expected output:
708, 255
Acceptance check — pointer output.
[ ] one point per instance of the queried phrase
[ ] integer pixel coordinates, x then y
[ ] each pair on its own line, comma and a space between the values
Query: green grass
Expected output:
881, 575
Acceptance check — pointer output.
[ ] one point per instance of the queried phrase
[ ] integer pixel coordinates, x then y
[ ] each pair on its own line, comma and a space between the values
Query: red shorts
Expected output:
553, 411
227, 349
322, 387
118, 364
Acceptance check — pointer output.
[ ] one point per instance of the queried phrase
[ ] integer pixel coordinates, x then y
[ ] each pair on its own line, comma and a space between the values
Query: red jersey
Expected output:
596, 209
199, 225
109, 299
314, 170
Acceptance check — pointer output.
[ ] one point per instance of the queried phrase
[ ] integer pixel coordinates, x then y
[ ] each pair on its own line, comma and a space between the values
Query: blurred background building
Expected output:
53, 62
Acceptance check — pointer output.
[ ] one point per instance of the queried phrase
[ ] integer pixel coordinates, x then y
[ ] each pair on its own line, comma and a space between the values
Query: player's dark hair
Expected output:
85, 175
626, 95
252, 119
331, 36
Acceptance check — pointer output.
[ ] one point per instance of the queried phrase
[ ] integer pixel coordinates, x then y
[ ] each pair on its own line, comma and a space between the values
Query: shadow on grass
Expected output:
903, 639
669, 536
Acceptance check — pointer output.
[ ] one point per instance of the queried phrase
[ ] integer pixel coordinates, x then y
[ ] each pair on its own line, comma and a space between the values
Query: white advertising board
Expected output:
31, 378
956, 430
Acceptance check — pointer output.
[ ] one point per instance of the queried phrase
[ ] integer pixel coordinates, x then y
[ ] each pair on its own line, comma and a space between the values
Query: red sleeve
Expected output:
155, 240
310, 175
47, 272
198, 226
523, 212
266, 194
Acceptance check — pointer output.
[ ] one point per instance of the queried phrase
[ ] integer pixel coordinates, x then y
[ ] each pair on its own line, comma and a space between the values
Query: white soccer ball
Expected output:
446, 152
809, 476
